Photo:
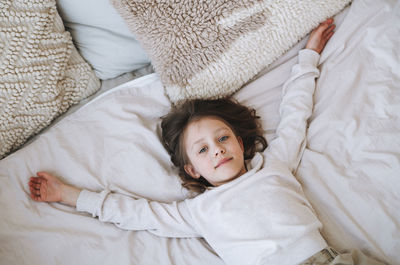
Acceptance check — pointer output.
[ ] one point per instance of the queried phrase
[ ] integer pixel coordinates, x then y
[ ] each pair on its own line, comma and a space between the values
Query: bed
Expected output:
349, 171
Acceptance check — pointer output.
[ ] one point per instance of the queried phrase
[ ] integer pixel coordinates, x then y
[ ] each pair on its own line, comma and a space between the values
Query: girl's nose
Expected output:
219, 150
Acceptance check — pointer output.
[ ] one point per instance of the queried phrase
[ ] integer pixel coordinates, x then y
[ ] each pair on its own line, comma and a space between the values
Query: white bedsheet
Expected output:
351, 167
350, 170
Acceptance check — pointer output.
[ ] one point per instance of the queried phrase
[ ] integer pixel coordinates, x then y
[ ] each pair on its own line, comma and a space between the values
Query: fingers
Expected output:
328, 36
36, 180
328, 33
327, 21
329, 29
35, 194
36, 186
325, 28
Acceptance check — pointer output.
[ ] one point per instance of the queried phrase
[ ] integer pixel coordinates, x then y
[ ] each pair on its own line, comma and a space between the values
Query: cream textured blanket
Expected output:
209, 49
41, 73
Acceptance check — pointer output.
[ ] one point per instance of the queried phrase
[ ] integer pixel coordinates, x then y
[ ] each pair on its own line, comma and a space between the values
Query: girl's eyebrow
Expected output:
221, 129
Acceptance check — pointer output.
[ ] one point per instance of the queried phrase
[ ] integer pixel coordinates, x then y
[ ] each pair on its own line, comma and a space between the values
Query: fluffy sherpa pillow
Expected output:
41, 73
209, 49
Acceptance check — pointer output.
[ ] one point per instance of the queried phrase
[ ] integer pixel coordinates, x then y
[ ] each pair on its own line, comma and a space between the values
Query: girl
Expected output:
249, 208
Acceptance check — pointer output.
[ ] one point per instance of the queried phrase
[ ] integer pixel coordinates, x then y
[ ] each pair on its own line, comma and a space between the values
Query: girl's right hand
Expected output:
47, 188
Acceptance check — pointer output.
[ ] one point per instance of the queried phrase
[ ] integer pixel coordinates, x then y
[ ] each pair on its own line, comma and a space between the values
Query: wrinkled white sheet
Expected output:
350, 170
351, 167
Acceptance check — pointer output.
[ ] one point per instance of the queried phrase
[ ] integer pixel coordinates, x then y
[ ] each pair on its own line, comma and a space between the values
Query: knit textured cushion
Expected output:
209, 49
41, 73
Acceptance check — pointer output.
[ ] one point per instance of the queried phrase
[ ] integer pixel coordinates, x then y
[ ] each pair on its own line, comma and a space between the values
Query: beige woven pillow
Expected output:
41, 73
209, 49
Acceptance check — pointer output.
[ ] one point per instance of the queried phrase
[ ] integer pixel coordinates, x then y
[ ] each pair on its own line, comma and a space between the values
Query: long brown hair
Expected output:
243, 121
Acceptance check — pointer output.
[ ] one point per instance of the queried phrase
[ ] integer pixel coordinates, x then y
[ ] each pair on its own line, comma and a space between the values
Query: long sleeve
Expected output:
295, 109
161, 219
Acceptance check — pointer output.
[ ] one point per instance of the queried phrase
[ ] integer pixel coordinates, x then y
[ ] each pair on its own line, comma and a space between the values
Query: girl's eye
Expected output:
202, 150
223, 138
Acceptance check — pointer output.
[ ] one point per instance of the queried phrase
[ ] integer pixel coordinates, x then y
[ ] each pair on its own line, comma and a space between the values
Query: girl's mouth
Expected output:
223, 161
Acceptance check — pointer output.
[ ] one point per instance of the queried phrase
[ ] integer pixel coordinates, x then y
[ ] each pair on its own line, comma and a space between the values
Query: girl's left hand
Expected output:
320, 36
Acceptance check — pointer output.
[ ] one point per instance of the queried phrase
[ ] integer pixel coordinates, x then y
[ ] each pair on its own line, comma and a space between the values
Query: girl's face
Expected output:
214, 151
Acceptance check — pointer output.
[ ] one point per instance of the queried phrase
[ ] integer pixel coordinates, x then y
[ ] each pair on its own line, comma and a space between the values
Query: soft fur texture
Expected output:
41, 73
209, 49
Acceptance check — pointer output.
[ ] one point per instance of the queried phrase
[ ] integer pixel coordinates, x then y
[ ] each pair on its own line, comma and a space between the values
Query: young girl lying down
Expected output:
249, 208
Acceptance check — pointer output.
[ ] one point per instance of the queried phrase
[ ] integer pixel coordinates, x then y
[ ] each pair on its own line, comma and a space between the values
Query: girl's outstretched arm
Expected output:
47, 188
297, 101
162, 219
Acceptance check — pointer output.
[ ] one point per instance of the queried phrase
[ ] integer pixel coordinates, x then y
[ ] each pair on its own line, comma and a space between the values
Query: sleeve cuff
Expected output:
91, 202
309, 57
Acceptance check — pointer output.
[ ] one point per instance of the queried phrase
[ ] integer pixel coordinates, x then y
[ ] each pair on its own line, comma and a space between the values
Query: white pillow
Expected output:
102, 37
